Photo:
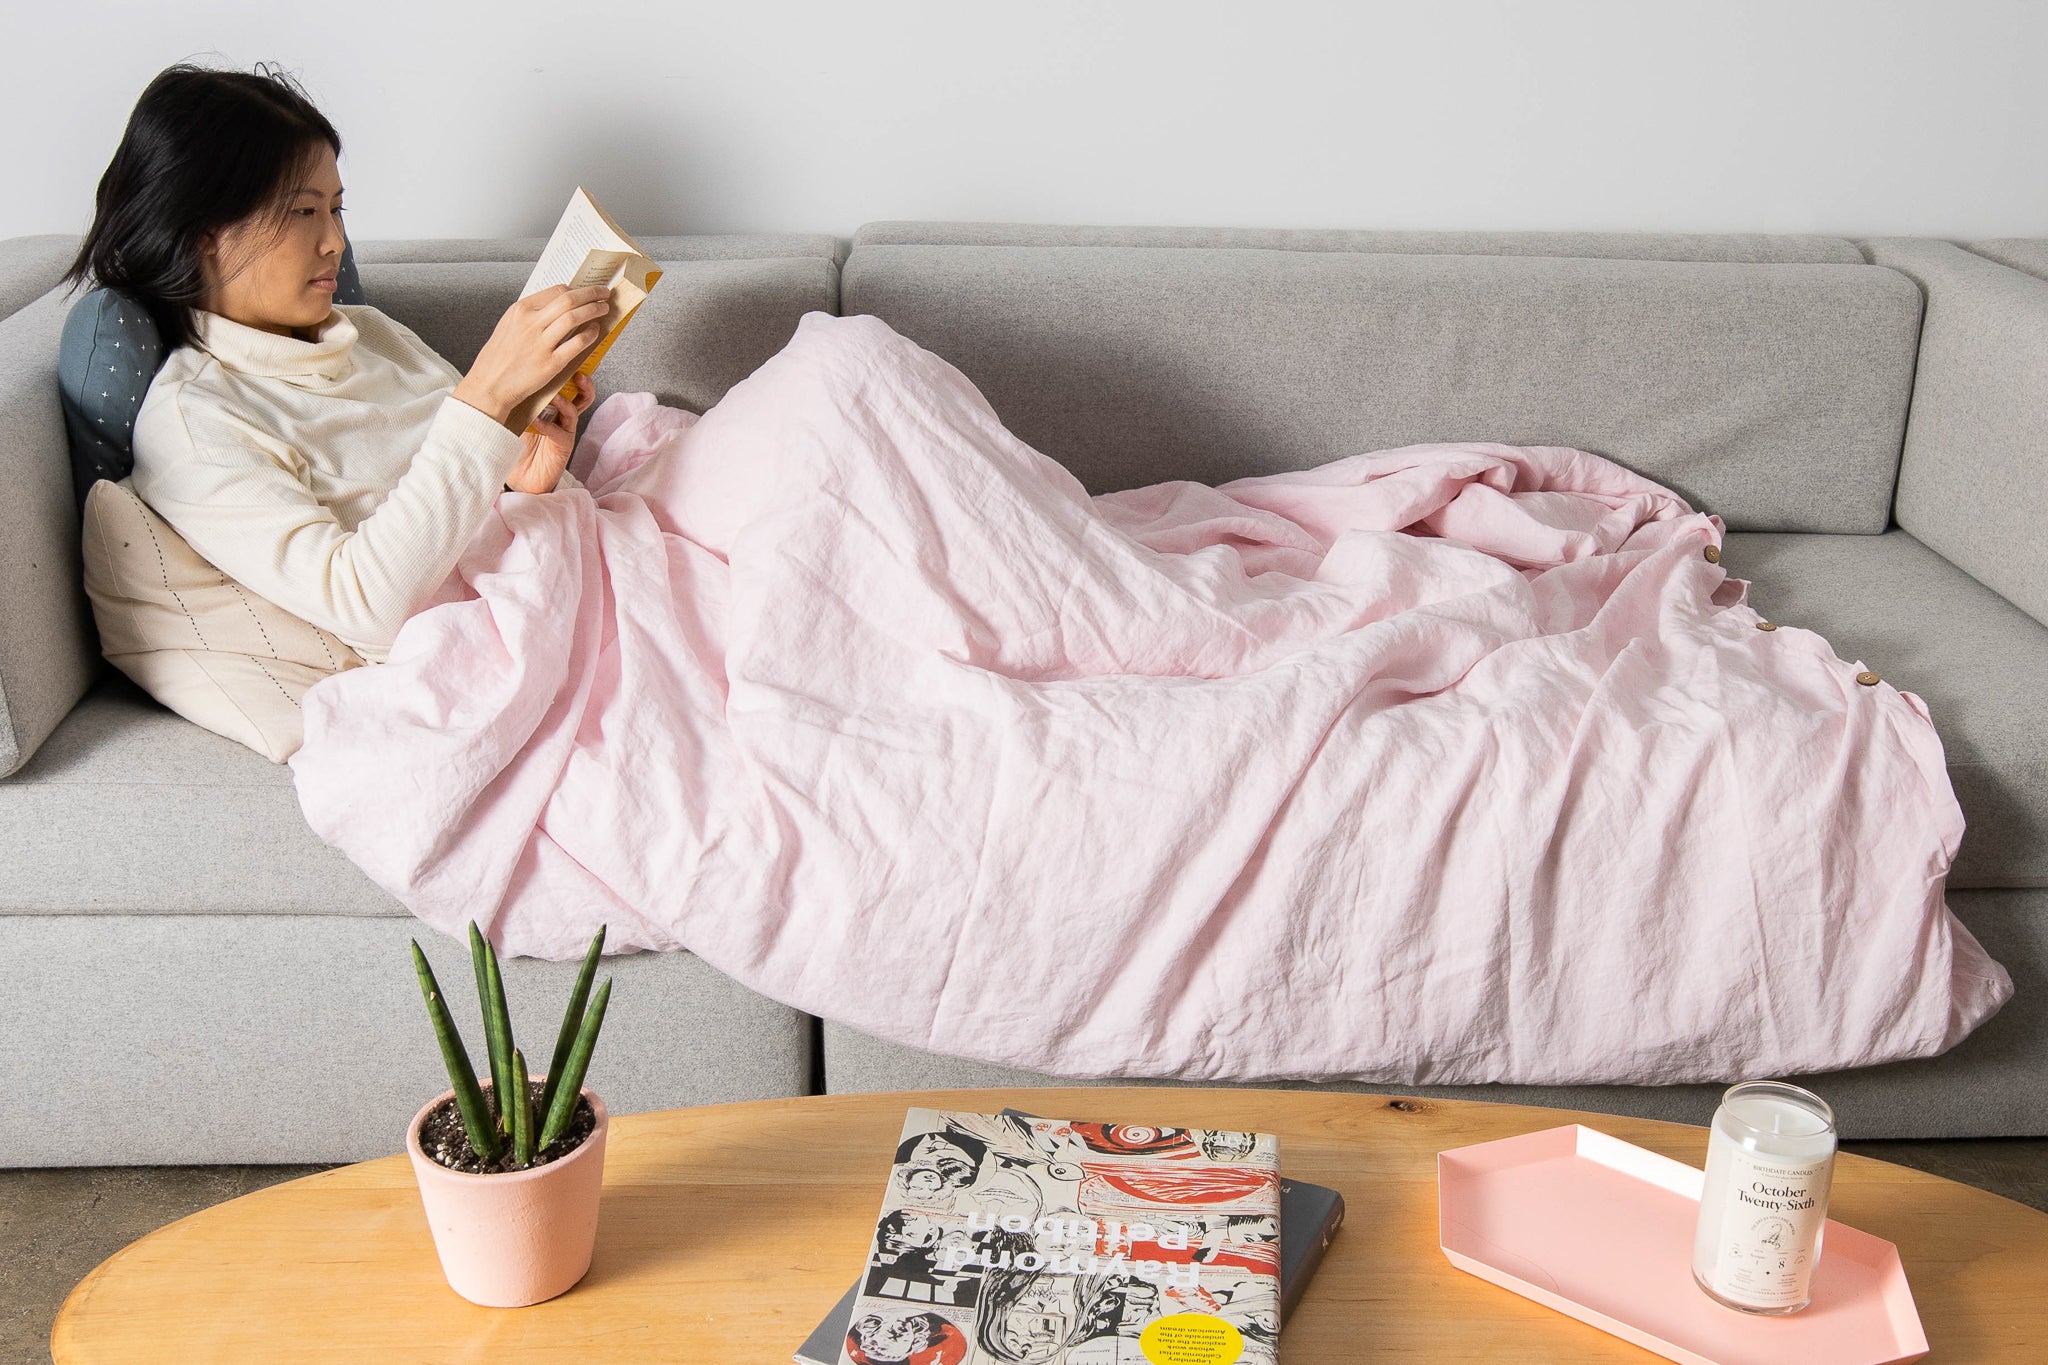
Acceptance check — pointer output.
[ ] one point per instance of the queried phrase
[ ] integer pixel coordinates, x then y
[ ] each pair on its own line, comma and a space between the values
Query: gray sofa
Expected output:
188, 974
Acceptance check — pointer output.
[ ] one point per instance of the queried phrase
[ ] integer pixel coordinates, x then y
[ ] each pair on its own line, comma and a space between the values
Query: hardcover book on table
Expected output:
1005, 1239
1309, 1217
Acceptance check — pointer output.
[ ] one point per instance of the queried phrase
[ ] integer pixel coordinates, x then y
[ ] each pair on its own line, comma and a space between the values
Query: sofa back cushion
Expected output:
1771, 392
193, 638
707, 325
2026, 254
1627, 246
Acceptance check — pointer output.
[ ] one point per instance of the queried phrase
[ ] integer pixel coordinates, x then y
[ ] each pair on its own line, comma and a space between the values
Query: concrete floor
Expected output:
56, 1225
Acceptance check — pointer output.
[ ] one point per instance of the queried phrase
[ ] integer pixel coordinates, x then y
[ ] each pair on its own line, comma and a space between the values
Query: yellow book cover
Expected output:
587, 248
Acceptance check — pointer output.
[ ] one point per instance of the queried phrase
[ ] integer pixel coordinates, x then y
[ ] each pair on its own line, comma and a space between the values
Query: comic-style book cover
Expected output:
1011, 1240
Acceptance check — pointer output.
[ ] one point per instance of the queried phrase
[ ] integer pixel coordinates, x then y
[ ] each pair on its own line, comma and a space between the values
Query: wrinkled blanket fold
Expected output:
1452, 763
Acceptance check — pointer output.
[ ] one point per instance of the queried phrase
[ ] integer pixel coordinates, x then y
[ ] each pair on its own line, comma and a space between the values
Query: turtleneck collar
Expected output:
251, 350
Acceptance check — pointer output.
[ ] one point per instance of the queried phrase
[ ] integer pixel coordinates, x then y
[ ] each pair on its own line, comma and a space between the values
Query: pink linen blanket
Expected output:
1452, 763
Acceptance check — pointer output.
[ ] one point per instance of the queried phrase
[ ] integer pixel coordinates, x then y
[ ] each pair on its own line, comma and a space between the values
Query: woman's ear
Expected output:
212, 270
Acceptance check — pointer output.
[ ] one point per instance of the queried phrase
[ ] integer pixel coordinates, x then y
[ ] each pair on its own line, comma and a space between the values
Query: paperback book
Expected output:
587, 248
1006, 1239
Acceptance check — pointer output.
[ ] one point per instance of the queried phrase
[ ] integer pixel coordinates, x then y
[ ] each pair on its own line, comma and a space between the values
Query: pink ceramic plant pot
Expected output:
516, 1238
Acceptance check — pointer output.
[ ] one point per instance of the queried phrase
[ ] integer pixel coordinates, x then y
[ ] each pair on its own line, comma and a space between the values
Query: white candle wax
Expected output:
1770, 1159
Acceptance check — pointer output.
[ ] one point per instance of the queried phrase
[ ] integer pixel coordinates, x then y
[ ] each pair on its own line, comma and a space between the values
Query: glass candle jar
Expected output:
1770, 1160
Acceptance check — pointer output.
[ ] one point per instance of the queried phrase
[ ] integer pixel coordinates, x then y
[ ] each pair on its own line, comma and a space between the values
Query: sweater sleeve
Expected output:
239, 498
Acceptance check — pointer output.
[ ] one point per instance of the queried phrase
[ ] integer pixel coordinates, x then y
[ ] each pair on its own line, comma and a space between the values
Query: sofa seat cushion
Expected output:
130, 809
1927, 627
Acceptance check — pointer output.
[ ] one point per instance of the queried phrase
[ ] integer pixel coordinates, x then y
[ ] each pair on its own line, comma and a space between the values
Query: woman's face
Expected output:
285, 284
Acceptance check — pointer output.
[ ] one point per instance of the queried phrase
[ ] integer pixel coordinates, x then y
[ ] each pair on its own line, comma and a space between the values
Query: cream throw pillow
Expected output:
193, 638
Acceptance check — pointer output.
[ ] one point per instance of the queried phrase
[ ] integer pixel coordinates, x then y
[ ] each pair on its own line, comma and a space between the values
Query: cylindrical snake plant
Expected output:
492, 1122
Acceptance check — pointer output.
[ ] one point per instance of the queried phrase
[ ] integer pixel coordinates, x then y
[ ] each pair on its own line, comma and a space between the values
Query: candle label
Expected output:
1769, 1229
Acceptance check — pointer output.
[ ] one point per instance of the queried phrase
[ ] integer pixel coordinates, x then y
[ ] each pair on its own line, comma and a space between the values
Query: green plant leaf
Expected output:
479, 961
521, 1097
567, 1093
572, 1019
497, 1027
469, 1096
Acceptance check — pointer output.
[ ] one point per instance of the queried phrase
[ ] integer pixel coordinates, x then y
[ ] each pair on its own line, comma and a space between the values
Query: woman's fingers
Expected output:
578, 307
585, 391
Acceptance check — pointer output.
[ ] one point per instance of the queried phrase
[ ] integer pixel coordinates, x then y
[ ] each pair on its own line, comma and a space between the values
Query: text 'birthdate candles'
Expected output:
1770, 1160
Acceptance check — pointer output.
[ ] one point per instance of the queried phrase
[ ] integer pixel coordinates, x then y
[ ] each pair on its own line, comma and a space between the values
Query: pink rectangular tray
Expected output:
1602, 1230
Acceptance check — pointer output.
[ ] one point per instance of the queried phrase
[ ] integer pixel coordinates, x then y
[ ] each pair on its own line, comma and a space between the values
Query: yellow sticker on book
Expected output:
1191, 1339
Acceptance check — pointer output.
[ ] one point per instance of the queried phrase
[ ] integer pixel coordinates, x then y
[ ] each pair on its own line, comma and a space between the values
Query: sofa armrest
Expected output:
48, 648
30, 266
1970, 482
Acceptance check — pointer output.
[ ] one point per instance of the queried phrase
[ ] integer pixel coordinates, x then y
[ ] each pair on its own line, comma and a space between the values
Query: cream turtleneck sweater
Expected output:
338, 477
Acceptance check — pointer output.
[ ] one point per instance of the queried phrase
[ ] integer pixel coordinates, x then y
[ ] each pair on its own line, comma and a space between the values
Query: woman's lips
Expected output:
327, 283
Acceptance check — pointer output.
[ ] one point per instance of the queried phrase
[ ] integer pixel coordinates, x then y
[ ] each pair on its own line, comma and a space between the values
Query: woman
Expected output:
322, 455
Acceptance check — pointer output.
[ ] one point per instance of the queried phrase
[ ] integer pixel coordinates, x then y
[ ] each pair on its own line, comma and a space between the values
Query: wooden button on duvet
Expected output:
1766, 625
1868, 679
1713, 554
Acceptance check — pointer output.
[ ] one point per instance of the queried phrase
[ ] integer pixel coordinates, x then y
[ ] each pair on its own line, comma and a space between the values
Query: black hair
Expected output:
203, 150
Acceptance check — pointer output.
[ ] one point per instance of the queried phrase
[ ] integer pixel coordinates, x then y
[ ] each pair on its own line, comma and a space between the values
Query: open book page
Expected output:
587, 247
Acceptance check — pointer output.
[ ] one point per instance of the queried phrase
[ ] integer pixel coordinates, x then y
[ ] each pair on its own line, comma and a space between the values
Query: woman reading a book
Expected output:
847, 689
321, 455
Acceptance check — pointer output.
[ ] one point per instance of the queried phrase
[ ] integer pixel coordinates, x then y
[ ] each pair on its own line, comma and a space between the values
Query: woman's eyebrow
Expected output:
308, 189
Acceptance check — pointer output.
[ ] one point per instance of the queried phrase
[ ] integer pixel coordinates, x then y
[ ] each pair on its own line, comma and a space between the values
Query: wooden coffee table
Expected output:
727, 1232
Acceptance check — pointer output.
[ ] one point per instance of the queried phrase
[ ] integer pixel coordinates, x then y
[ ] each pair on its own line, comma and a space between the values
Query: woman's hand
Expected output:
550, 443
536, 340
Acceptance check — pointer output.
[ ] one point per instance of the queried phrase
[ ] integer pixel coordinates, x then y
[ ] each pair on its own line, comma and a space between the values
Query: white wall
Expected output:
1882, 116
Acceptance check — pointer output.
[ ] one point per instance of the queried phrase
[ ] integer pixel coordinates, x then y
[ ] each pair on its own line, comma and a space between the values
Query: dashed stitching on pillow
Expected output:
333, 664
243, 597
274, 682
164, 573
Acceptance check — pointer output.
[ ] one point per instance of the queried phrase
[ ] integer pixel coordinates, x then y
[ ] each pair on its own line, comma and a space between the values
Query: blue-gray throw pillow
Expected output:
108, 356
